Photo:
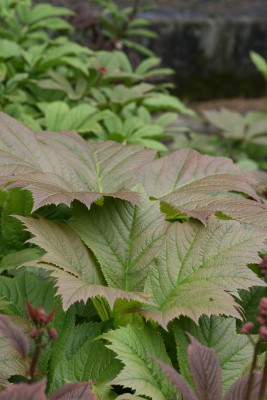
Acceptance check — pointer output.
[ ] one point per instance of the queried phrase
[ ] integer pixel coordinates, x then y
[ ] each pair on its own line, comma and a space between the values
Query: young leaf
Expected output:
124, 257
197, 186
194, 273
205, 370
74, 391
233, 350
239, 388
135, 347
25, 391
178, 382
58, 168
14, 335
78, 277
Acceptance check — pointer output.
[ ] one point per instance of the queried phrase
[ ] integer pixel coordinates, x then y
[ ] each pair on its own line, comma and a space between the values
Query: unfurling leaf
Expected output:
205, 370
14, 335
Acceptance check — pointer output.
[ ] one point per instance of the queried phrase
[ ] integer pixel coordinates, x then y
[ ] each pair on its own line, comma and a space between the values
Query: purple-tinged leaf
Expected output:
74, 391
206, 371
14, 335
24, 391
178, 381
239, 388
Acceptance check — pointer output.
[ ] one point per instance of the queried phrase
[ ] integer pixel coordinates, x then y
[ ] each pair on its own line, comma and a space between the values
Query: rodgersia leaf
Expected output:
205, 370
61, 167
124, 237
74, 391
189, 183
198, 266
14, 335
239, 388
234, 351
137, 349
77, 274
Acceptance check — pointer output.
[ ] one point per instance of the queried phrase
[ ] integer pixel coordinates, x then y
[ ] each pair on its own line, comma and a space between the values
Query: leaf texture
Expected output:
205, 370
124, 237
61, 167
234, 351
14, 335
198, 267
25, 391
178, 382
200, 186
74, 391
135, 347
239, 388
70, 262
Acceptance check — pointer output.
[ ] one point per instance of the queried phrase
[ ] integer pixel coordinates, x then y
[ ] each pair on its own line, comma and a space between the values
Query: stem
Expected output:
263, 381
35, 358
252, 371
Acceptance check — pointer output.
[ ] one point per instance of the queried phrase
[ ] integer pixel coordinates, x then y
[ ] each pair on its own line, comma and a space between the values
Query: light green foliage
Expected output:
136, 348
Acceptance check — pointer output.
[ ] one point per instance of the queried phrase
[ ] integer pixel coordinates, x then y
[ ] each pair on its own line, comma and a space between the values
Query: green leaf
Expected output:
70, 262
135, 348
17, 202
9, 49
197, 268
259, 62
14, 260
160, 102
80, 355
125, 258
42, 11
55, 113
233, 350
232, 123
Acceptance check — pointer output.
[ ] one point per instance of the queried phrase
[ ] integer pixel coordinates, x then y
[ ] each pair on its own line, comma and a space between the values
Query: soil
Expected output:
240, 105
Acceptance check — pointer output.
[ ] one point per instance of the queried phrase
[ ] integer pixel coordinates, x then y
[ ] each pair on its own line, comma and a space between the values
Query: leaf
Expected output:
198, 266
70, 262
178, 381
9, 49
239, 388
14, 260
161, 102
199, 186
124, 238
61, 167
79, 355
234, 351
25, 391
231, 122
14, 335
205, 370
135, 347
74, 391
259, 62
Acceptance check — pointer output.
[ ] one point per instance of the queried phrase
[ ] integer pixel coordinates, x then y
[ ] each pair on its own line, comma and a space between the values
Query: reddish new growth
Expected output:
263, 265
41, 321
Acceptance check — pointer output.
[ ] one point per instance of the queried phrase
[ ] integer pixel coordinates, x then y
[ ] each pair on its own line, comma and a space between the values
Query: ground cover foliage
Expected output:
125, 272
134, 251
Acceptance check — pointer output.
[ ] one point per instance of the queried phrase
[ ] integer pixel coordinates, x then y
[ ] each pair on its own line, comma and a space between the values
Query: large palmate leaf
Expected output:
187, 182
234, 351
79, 355
25, 392
124, 237
77, 274
198, 266
137, 348
61, 167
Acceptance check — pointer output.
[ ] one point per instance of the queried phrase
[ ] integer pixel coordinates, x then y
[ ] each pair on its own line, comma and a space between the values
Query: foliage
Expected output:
241, 137
133, 250
49, 82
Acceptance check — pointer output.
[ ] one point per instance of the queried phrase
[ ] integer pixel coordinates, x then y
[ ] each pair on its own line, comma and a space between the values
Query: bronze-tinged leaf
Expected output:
74, 391
206, 371
198, 267
61, 167
178, 382
239, 388
24, 391
72, 264
200, 185
14, 335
